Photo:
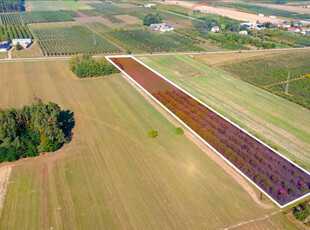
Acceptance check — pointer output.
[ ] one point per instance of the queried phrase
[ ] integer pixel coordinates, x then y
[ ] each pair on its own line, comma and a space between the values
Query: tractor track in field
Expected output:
252, 220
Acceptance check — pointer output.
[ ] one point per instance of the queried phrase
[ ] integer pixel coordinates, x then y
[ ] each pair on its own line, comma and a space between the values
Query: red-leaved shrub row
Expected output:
275, 175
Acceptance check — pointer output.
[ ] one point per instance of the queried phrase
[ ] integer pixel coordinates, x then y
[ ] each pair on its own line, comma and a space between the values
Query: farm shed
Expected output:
24, 42
4, 46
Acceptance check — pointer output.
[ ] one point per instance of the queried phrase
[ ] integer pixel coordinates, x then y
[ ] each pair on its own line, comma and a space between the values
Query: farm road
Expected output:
155, 54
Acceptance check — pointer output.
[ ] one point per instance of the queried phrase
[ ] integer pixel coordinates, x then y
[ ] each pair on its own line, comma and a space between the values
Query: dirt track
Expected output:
242, 16
5, 173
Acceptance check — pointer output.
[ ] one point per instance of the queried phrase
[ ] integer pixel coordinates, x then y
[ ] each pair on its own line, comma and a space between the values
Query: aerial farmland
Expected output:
154, 115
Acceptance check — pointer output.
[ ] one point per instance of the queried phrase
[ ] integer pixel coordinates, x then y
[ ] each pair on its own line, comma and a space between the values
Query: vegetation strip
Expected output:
277, 177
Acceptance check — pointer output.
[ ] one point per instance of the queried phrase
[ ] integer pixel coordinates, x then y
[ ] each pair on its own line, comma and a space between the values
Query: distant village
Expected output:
298, 26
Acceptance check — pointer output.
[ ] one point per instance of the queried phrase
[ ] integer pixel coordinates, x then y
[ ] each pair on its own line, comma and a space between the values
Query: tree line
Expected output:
84, 66
33, 129
11, 5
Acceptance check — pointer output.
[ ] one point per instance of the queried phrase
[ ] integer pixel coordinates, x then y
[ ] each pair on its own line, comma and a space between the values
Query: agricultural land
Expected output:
278, 122
150, 156
176, 178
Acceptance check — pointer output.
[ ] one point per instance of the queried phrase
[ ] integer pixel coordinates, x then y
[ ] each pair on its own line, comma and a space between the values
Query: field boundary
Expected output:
200, 138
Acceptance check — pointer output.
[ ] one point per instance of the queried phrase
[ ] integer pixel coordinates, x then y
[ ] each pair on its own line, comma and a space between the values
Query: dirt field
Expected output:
111, 174
217, 59
85, 20
242, 16
287, 8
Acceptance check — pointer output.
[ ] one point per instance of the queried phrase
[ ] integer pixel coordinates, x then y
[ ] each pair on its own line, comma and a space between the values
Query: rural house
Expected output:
215, 29
163, 27
24, 42
293, 30
4, 46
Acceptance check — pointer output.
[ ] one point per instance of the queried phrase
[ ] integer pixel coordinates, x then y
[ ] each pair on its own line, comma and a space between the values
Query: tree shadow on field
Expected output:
66, 117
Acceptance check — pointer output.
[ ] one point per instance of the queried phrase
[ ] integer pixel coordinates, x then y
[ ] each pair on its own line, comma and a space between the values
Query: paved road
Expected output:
156, 54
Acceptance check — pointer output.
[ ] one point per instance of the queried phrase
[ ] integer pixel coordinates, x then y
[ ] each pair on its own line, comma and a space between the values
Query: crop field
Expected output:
106, 9
266, 10
129, 19
272, 72
90, 13
276, 121
71, 13
111, 174
55, 5
35, 17
139, 41
98, 27
283, 181
8, 32
66, 39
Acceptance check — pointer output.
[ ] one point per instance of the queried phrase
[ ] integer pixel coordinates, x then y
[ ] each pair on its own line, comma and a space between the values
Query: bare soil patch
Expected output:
86, 20
242, 16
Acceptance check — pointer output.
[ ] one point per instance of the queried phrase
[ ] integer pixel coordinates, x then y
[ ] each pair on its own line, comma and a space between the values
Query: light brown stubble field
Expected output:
111, 175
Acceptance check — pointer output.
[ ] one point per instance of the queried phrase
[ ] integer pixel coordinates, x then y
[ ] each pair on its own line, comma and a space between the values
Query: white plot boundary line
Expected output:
199, 137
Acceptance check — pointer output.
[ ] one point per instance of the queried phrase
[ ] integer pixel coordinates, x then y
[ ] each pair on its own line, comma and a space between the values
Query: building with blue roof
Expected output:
4, 46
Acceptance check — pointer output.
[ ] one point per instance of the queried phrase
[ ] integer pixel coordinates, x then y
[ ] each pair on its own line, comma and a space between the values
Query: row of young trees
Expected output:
33, 129
9, 32
83, 65
11, 5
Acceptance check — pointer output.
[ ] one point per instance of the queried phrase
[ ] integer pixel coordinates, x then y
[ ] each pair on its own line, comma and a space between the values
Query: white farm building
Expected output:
24, 42
163, 27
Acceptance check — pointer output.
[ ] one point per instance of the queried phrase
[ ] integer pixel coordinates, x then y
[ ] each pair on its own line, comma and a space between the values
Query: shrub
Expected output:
152, 133
19, 47
179, 131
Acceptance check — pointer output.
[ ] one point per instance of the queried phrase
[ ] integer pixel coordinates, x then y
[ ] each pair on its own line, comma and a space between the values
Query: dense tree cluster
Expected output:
33, 129
11, 5
152, 19
84, 66
282, 180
